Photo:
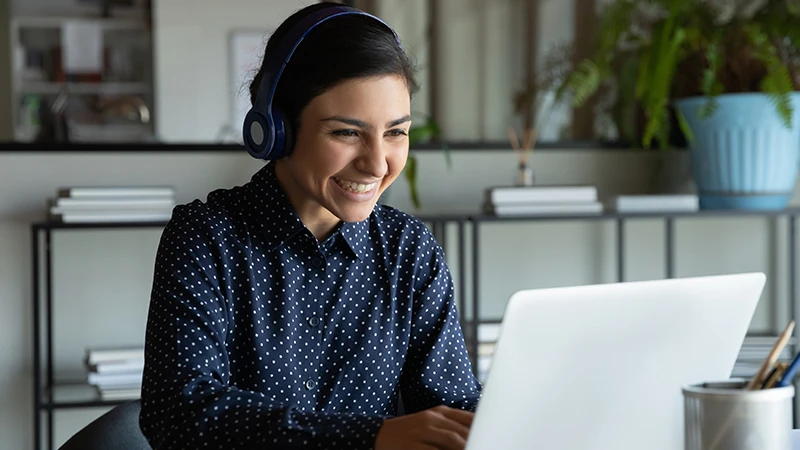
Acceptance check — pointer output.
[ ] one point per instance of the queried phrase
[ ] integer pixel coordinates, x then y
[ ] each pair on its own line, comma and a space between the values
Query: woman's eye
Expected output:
397, 132
345, 133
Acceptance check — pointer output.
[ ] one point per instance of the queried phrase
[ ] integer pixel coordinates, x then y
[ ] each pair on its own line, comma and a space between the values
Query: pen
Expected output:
787, 377
758, 379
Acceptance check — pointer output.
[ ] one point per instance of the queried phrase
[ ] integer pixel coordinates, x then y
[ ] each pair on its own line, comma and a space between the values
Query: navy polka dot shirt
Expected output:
259, 336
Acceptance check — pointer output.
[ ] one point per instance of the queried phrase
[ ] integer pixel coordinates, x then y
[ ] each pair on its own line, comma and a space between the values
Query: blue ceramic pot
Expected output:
743, 156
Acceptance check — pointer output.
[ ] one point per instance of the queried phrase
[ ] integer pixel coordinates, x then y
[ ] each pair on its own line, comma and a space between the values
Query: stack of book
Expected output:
753, 353
113, 204
751, 356
542, 200
656, 203
116, 373
488, 332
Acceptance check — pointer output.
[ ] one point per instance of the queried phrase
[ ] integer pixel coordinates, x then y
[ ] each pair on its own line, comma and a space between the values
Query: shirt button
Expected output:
313, 321
310, 384
316, 262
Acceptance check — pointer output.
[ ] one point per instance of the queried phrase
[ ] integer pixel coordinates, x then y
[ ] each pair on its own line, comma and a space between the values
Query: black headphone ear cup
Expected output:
284, 134
288, 134
257, 136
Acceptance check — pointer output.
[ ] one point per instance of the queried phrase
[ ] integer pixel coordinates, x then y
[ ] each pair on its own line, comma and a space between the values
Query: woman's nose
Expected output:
372, 159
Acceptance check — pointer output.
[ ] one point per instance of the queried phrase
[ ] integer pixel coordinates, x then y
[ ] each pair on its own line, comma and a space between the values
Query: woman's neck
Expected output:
314, 216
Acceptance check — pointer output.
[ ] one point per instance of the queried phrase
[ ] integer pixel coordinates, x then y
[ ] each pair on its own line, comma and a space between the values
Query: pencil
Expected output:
780, 369
758, 379
769, 376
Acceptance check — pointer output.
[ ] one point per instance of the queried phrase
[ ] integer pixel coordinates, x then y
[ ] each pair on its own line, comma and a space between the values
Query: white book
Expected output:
656, 203
544, 209
488, 332
486, 348
484, 363
113, 216
116, 191
744, 370
121, 394
116, 367
747, 369
101, 203
761, 354
104, 355
765, 341
115, 379
540, 194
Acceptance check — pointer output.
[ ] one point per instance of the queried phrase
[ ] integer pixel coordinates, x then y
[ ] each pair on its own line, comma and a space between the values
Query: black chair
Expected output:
117, 429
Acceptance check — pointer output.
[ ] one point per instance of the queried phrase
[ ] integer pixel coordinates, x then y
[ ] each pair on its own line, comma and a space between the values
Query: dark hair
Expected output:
342, 48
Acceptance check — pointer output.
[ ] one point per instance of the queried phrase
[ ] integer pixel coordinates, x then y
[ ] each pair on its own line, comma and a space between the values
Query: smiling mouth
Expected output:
354, 187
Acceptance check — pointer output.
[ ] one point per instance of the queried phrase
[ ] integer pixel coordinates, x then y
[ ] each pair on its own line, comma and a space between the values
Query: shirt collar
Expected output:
280, 222
356, 234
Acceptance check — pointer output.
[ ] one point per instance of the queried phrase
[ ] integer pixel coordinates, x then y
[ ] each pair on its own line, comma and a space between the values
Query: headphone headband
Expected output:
263, 130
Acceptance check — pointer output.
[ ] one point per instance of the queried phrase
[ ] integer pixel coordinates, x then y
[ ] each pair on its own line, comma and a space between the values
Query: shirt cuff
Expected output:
337, 431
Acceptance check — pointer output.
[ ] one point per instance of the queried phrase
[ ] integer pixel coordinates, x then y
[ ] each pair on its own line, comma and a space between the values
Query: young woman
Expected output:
293, 311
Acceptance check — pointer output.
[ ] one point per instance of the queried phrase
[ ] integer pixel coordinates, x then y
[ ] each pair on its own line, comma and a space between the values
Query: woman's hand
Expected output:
439, 428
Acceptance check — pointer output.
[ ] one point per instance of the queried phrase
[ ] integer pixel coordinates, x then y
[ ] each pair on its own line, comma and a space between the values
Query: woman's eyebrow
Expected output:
364, 125
394, 123
347, 120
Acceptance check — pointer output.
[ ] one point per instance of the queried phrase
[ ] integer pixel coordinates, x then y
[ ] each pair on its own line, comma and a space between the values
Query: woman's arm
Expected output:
437, 369
188, 400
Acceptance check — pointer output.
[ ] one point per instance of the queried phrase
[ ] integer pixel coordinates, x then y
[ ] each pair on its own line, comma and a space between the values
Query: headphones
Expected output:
266, 130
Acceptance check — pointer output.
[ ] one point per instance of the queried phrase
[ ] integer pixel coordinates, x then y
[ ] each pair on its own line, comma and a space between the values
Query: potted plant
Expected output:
427, 131
727, 75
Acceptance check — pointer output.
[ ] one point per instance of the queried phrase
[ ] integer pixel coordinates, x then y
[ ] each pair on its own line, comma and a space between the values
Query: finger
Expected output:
420, 446
445, 439
448, 423
459, 415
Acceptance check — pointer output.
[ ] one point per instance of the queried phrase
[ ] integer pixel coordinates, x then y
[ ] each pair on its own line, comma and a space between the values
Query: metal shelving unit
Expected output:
49, 395
100, 88
33, 96
620, 220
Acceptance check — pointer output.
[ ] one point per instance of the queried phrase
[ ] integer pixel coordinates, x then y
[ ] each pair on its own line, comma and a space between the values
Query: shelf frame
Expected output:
57, 22
44, 384
84, 88
42, 248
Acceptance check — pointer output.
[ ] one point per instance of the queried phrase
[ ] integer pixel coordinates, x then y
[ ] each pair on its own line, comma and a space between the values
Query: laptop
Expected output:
602, 366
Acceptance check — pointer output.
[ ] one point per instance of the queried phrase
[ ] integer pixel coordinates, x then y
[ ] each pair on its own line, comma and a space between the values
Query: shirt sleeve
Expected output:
437, 369
188, 400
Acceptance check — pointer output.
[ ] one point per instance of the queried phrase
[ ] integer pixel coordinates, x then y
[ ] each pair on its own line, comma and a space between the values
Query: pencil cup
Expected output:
725, 416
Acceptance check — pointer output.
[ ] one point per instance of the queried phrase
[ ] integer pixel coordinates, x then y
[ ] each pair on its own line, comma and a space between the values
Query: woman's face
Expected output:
351, 144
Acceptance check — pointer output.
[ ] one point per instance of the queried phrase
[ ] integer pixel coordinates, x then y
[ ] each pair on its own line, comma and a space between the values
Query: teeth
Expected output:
352, 186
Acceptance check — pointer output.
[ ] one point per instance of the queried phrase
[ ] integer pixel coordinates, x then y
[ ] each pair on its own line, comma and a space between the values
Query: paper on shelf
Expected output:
82, 46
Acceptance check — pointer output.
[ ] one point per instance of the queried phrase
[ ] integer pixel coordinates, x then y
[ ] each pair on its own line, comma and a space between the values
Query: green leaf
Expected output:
668, 41
582, 83
410, 172
684, 126
793, 6
664, 130
710, 108
783, 104
777, 84
642, 76
422, 133
447, 157
711, 85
